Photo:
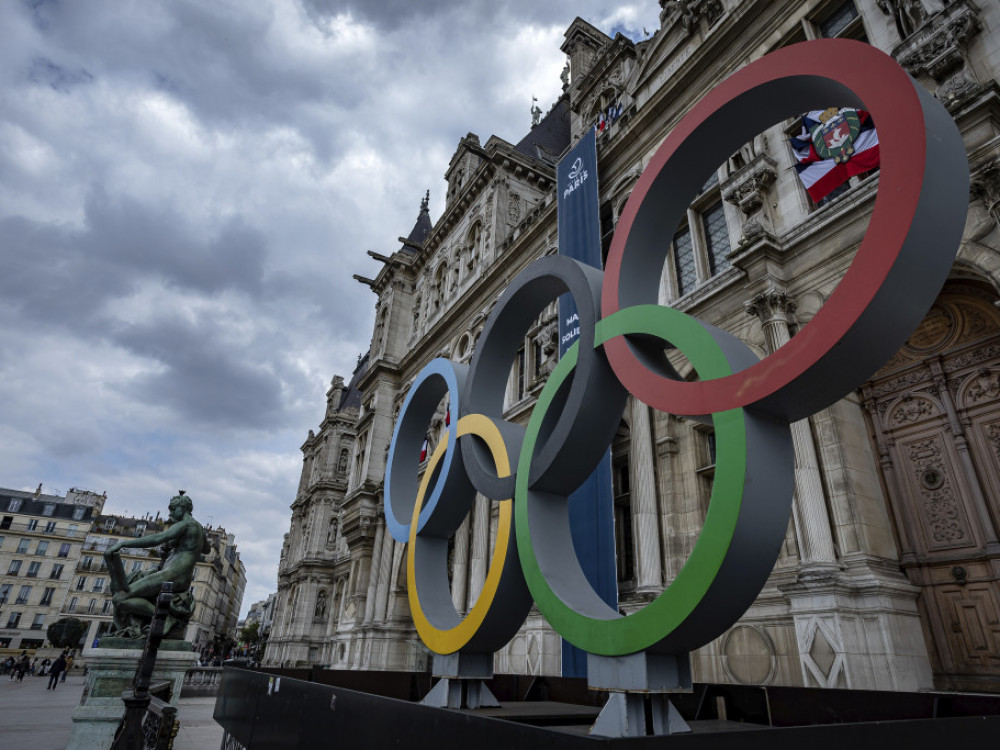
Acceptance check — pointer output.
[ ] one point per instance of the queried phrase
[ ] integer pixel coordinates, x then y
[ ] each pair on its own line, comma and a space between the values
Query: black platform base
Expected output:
260, 710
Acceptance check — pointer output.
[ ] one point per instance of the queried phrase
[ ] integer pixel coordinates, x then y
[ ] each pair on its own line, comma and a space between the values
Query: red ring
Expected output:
894, 103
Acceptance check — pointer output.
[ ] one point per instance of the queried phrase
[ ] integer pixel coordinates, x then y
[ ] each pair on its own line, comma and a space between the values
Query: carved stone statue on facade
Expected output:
668, 8
909, 15
134, 595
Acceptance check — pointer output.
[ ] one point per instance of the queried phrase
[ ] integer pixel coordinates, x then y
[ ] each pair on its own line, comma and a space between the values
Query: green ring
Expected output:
614, 634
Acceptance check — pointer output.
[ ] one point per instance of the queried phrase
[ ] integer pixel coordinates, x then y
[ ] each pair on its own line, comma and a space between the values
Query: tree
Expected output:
248, 634
67, 632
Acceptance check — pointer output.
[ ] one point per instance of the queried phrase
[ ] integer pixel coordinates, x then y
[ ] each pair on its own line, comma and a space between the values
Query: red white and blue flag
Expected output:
833, 146
423, 451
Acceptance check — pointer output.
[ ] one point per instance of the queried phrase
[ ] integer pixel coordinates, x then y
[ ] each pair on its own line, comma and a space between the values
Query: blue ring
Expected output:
438, 377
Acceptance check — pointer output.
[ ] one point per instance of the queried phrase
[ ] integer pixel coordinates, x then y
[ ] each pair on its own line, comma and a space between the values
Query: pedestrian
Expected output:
23, 665
59, 665
69, 666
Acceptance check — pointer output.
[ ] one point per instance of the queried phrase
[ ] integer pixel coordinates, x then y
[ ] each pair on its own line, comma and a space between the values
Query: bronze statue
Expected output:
134, 596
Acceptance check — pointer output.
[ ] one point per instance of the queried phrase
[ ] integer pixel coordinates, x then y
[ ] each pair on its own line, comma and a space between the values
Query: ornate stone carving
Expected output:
938, 49
747, 189
513, 209
974, 357
986, 187
993, 435
938, 503
985, 387
909, 15
770, 305
911, 410
687, 13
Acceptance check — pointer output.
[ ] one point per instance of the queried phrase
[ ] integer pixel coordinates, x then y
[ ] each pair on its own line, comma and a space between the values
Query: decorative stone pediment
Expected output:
938, 49
747, 189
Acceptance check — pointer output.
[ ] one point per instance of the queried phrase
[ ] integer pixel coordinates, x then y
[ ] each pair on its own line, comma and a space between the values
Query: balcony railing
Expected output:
59, 529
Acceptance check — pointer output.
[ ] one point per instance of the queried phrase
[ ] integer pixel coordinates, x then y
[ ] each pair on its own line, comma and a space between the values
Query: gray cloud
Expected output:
185, 191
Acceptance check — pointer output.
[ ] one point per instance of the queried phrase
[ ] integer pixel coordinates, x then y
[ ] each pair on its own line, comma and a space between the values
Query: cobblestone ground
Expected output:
34, 718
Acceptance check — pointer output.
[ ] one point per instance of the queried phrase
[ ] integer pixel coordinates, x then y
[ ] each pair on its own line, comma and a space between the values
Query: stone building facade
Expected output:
42, 537
889, 577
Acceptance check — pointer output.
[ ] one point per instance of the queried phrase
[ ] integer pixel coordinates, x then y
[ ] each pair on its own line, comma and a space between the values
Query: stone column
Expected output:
460, 567
645, 520
816, 548
480, 547
373, 568
384, 578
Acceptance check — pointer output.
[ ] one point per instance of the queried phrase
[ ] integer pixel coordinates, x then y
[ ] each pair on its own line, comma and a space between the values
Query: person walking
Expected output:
23, 665
69, 666
59, 665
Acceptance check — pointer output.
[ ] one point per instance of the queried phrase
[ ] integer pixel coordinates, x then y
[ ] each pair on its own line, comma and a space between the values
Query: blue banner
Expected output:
591, 507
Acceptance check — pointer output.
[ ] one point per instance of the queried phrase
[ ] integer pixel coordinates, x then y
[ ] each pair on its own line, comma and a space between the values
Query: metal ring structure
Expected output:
504, 600
905, 257
437, 378
743, 531
581, 421
903, 260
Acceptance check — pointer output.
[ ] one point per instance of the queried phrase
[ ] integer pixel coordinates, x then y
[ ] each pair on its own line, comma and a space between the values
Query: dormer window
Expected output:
109, 523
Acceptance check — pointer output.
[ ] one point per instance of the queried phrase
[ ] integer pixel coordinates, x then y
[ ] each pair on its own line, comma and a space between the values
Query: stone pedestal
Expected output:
111, 669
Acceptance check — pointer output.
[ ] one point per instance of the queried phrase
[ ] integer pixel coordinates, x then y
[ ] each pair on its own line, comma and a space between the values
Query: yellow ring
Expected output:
449, 640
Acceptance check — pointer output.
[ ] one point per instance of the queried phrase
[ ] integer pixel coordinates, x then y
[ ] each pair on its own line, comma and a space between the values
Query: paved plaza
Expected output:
39, 719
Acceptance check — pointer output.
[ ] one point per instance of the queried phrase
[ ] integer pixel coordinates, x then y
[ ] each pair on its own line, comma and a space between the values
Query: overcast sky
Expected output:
186, 188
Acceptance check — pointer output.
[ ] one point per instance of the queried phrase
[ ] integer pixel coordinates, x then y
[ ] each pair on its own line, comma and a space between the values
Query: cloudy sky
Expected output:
186, 188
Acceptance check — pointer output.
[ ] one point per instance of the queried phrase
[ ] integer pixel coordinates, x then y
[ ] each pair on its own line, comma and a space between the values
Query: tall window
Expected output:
687, 275
23, 594
22, 546
33, 524
50, 527
15, 568
38, 621
81, 583
57, 571
701, 246
5, 592
13, 619
78, 512
64, 549
42, 548
716, 237
15, 504
33, 568
621, 486
843, 21
49, 509
47, 596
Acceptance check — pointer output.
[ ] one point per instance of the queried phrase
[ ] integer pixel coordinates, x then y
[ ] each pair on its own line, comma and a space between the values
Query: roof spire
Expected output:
424, 202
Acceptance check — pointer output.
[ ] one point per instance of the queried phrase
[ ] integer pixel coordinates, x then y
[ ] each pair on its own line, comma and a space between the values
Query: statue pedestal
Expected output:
110, 671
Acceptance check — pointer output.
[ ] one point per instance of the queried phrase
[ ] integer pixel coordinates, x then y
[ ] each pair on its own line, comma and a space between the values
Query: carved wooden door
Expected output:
935, 416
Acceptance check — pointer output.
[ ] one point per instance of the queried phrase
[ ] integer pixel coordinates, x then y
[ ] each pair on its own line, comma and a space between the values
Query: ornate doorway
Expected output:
934, 412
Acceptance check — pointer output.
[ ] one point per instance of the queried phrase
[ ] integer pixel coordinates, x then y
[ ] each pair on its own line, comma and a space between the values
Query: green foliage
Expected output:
249, 633
67, 632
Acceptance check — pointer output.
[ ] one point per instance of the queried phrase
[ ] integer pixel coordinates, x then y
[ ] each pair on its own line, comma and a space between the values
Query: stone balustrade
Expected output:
201, 681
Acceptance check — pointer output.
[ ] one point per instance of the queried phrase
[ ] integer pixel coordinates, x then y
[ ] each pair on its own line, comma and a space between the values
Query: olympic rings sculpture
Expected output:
904, 259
